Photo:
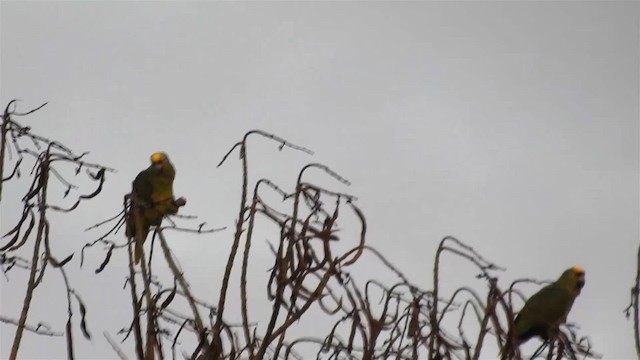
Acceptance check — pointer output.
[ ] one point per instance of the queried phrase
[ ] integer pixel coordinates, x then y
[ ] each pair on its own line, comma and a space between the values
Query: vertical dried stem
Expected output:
152, 341
279, 270
151, 310
134, 303
243, 276
489, 311
3, 135
236, 241
185, 288
44, 179
433, 314
282, 271
634, 301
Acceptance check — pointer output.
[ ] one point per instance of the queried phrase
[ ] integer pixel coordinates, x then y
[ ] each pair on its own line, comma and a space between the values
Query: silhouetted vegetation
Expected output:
311, 274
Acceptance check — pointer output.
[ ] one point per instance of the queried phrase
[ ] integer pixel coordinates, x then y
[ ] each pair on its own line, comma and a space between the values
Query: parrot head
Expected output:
159, 160
573, 279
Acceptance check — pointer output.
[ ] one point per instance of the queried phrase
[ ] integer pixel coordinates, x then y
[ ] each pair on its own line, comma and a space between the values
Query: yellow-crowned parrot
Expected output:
151, 198
543, 313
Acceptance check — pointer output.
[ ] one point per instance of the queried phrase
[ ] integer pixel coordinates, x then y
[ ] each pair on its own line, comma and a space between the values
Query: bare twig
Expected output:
114, 346
40, 329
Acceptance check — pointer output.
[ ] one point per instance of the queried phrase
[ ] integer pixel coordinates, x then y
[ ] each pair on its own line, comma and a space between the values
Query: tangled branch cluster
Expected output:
312, 273
35, 205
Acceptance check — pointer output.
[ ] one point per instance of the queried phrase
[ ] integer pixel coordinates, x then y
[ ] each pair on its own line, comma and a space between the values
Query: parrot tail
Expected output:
514, 339
138, 252
139, 231
525, 336
139, 244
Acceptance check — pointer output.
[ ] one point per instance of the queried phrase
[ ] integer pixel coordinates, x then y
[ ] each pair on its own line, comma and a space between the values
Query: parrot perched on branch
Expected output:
151, 199
543, 313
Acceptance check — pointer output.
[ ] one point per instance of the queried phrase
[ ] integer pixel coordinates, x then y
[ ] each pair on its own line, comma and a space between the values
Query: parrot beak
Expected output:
158, 159
581, 281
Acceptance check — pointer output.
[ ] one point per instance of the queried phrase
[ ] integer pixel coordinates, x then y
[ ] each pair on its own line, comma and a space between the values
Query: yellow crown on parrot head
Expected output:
157, 157
578, 269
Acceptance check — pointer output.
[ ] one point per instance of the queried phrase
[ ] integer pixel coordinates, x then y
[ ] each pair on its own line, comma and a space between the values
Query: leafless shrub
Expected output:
19, 141
311, 277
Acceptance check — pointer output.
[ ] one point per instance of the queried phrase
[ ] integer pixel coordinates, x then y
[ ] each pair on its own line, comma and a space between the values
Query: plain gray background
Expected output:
511, 125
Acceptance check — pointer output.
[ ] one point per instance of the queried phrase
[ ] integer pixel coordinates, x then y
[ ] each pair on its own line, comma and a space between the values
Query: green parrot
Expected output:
152, 197
543, 313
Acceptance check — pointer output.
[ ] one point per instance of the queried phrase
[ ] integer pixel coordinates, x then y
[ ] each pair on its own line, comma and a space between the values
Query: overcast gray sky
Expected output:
511, 125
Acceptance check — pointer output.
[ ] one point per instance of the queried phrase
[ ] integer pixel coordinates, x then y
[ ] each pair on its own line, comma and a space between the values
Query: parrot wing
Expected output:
143, 186
551, 303
543, 312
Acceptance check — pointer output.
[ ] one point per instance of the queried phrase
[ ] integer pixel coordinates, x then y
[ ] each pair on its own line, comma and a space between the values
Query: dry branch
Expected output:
311, 271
